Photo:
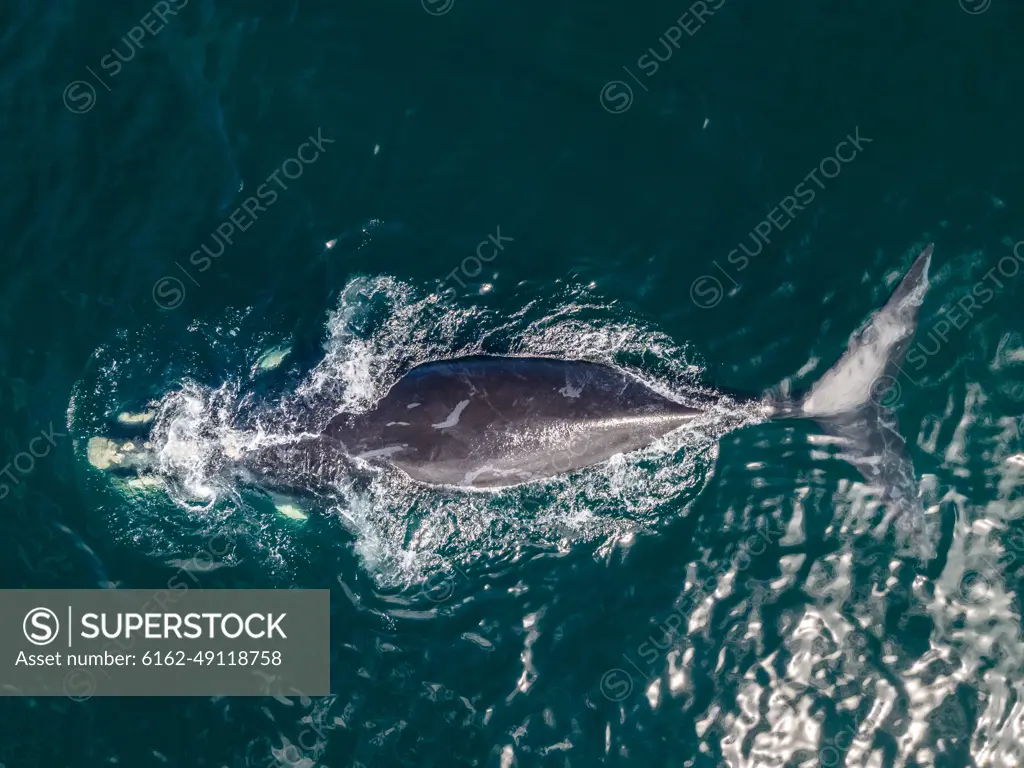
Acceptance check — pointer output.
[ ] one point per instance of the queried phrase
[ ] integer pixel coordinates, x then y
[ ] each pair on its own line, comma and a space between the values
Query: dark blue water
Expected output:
706, 196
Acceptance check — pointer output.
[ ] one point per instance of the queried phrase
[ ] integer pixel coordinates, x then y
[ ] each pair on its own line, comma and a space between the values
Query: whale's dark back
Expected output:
486, 421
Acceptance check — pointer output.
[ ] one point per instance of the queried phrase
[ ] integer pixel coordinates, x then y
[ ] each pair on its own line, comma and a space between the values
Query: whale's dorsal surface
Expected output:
489, 421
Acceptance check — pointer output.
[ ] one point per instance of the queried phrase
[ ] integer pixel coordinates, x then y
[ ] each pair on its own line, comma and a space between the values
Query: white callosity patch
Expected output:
453, 417
135, 419
103, 453
570, 391
382, 453
272, 358
291, 511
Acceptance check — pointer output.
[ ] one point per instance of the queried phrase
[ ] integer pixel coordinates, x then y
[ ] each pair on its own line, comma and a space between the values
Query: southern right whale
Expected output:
489, 421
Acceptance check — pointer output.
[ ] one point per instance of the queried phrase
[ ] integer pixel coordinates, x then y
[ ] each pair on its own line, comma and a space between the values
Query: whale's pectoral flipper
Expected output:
854, 401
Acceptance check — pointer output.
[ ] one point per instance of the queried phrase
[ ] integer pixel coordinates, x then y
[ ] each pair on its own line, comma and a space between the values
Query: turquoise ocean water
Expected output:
712, 195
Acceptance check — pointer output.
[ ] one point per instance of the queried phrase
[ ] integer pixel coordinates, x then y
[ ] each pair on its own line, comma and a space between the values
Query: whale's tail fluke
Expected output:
854, 402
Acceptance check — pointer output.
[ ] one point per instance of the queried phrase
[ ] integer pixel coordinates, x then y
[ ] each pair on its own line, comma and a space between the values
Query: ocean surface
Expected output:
712, 196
